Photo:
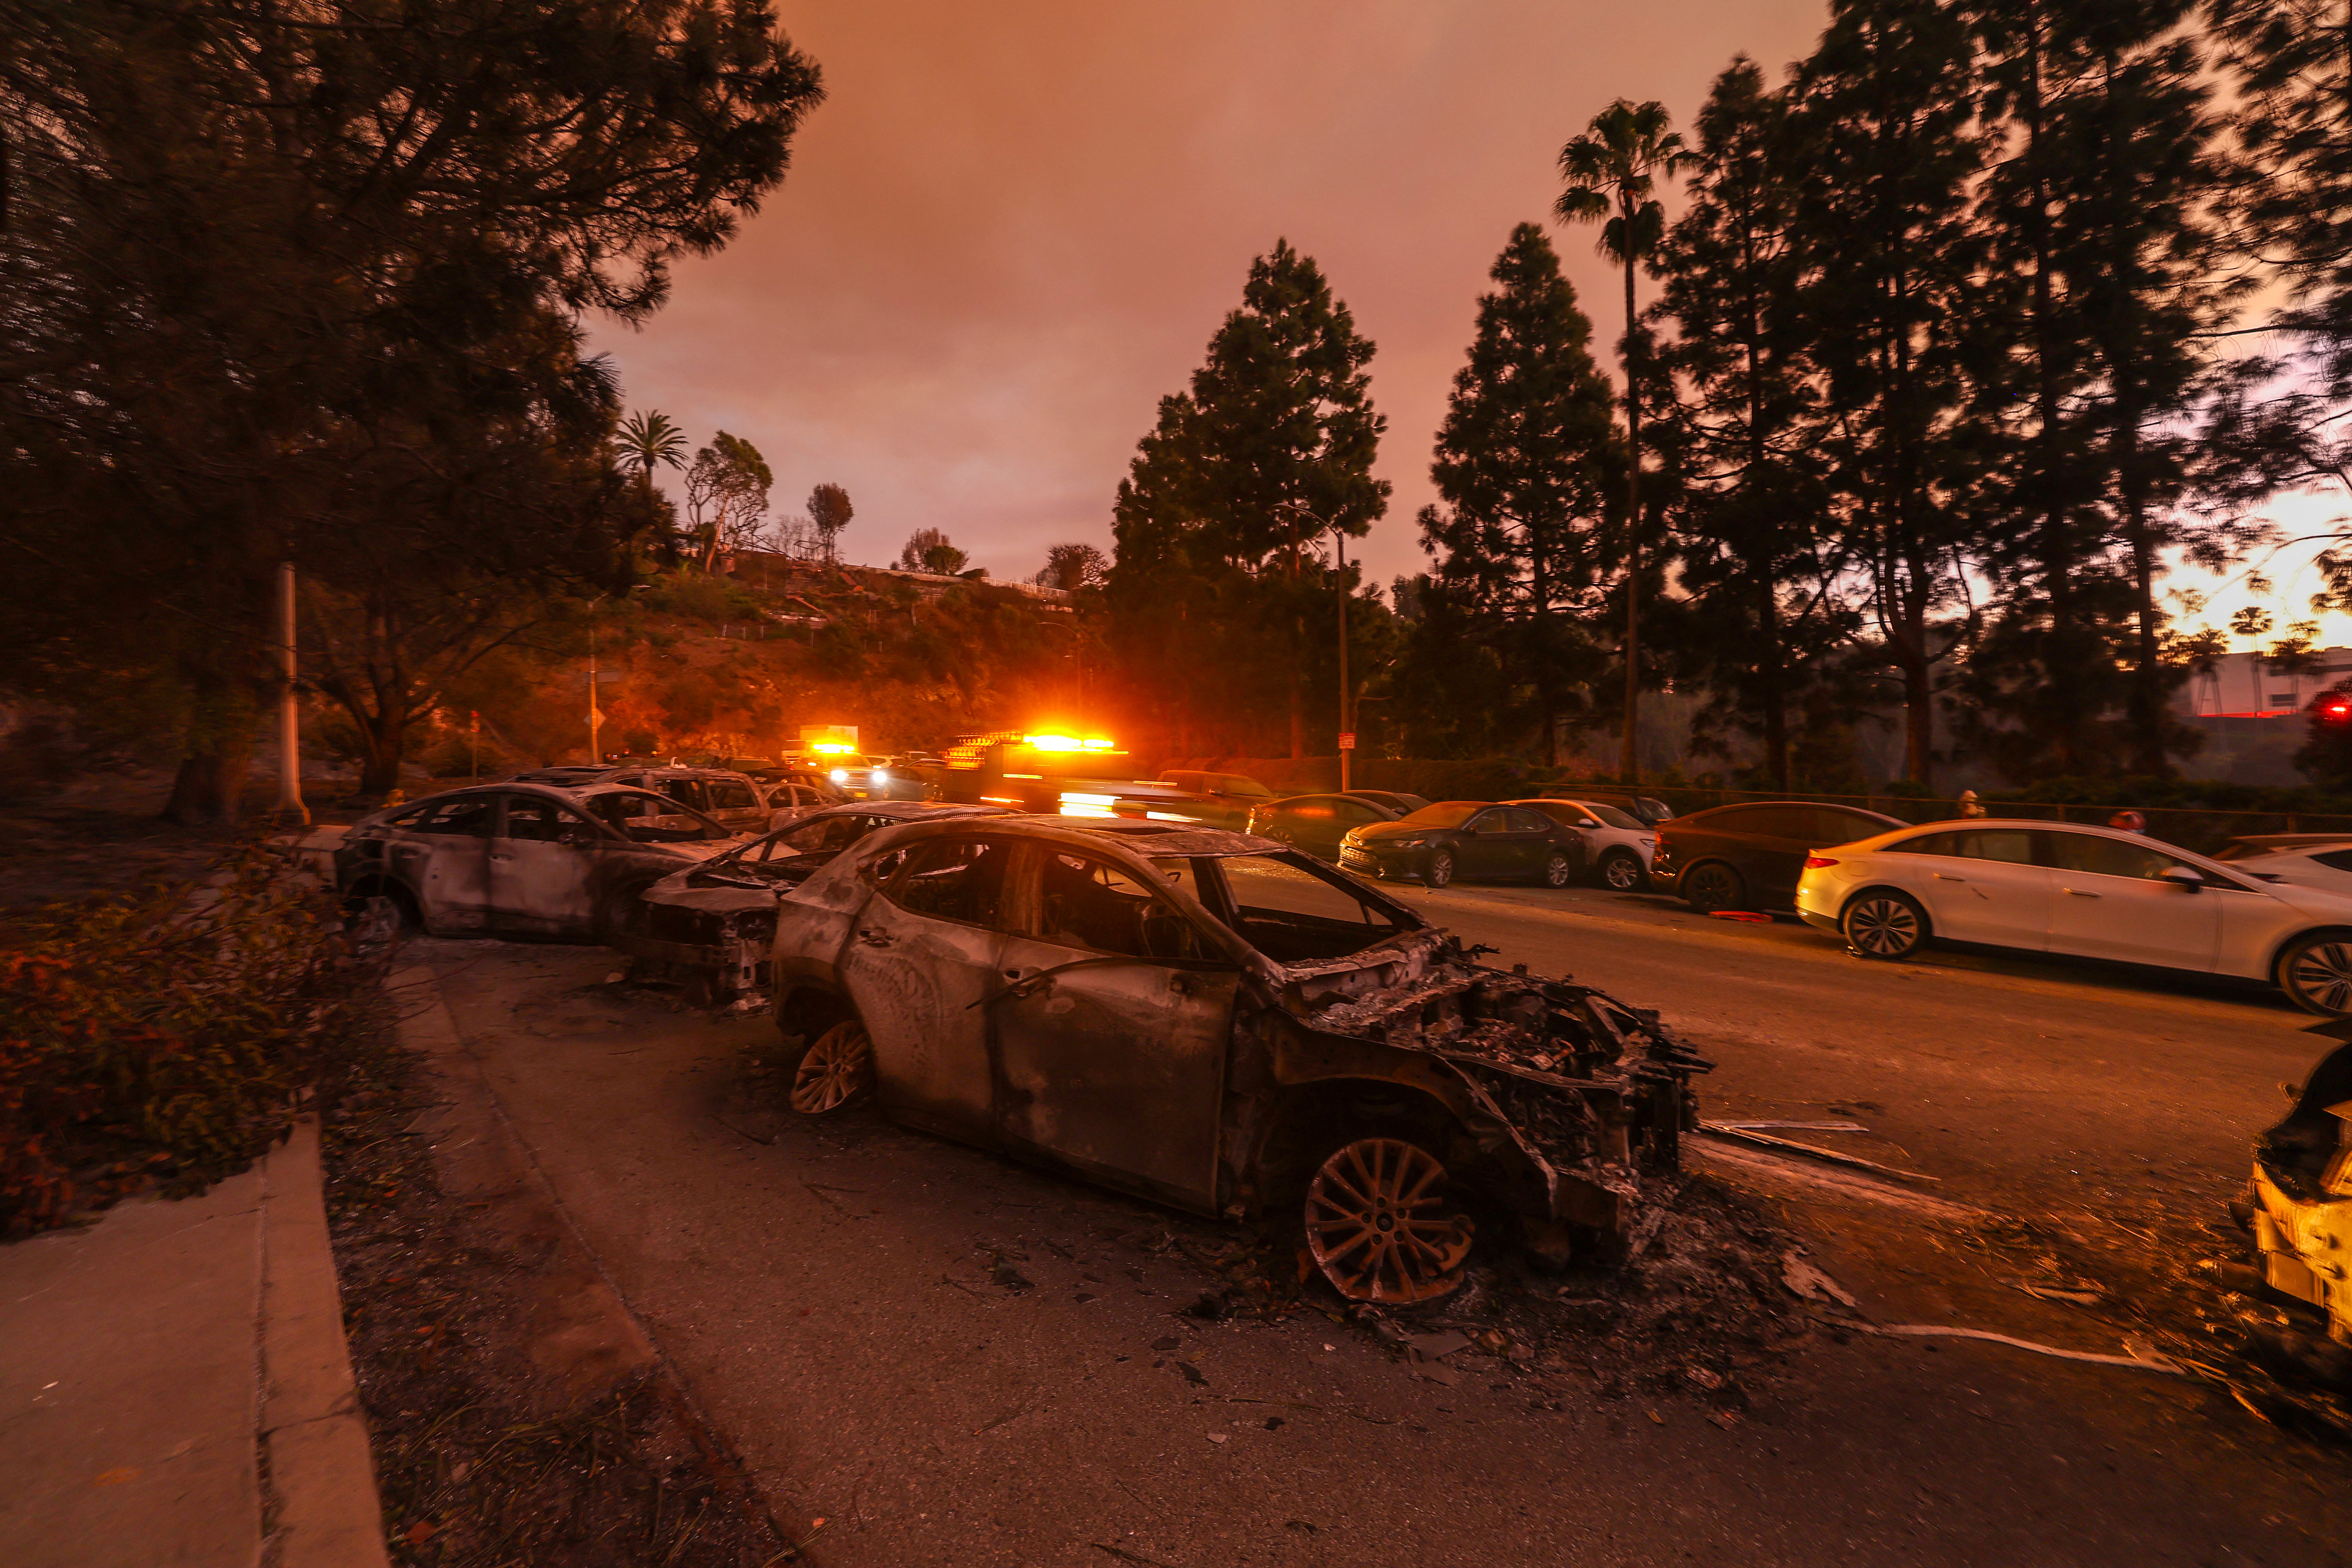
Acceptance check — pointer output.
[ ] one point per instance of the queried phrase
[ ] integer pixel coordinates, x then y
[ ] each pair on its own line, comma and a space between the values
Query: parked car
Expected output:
721, 794
710, 926
1467, 838
1225, 800
1617, 847
2085, 892
789, 801
2322, 860
1213, 1022
524, 859
1316, 823
1395, 800
1642, 808
1749, 857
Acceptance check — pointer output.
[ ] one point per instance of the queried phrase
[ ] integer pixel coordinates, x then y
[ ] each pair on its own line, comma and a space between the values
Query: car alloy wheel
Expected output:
1557, 871
1440, 869
1377, 1224
836, 1069
1710, 886
2316, 974
1621, 870
1885, 924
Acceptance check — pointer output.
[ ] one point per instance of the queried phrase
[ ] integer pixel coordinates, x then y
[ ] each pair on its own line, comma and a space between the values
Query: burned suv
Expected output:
1221, 1024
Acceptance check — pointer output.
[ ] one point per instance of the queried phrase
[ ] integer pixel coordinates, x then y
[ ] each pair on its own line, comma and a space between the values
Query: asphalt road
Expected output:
836, 1298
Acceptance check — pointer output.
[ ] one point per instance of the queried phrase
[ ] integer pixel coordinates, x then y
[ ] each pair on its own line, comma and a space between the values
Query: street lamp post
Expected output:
596, 714
1347, 731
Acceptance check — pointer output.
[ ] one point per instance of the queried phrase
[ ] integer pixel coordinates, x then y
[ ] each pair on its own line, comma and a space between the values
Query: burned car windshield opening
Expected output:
1087, 901
1294, 912
650, 819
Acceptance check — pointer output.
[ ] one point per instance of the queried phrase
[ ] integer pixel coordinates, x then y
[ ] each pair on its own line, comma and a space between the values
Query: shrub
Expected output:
158, 1037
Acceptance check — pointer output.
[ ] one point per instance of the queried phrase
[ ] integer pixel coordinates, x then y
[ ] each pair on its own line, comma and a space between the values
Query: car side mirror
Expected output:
2182, 877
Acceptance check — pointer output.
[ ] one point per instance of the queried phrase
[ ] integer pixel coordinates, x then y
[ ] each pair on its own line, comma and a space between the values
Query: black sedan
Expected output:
1467, 838
1316, 823
1749, 857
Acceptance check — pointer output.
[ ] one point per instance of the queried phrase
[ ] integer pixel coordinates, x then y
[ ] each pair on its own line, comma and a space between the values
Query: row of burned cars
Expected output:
1202, 1017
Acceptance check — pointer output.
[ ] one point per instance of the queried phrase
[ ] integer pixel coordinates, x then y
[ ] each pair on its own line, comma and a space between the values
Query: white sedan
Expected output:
2322, 860
1617, 847
2085, 892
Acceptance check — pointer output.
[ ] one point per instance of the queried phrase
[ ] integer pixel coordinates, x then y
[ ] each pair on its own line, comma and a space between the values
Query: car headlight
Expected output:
880, 775
839, 775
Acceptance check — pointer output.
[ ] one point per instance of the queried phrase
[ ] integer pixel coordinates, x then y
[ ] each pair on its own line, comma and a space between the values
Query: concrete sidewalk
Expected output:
175, 1388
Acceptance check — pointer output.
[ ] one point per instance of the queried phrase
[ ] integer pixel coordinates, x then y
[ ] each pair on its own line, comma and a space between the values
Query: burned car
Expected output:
719, 793
2299, 1208
708, 926
534, 859
1222, 1024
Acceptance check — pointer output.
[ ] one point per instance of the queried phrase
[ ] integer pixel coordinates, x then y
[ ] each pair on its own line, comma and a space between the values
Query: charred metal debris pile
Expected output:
1589, 1081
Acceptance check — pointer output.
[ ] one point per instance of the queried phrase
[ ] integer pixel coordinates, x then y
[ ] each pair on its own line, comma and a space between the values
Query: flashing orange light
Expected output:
1098, 743
1051, 743
834, 748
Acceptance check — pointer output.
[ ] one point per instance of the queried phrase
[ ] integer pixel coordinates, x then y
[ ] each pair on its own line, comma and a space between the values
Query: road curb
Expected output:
322, 1473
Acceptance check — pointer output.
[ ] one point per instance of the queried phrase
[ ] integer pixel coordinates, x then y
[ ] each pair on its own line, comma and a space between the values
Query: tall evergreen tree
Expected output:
1271, 446
1890, 144
1756, 558
1525, 463
2103, 241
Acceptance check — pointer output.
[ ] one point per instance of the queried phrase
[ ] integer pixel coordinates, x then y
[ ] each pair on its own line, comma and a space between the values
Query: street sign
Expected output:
595, 717
1347, 740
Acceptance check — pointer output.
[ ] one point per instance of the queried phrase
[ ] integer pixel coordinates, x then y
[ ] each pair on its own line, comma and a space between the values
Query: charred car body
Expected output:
710, 926
2300, 1210
535, 859
1219, 1023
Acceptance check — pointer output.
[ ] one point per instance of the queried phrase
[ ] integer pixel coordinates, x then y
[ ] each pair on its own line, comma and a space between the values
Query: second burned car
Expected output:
1215, 1022
709, 927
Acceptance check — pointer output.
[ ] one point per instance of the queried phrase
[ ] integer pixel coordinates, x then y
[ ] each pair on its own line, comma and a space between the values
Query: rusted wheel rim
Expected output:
834, 1071
2322, 975
1882, 927
1377, 1225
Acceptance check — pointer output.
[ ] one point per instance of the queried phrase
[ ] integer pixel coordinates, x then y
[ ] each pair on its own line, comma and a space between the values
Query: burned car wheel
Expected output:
1711, 885
1882, 923
1379, 1225
1440, 869
2316, 973
1557, 871
836, 1069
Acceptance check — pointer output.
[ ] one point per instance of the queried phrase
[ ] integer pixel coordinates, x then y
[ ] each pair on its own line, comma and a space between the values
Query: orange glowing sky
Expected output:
1013, 227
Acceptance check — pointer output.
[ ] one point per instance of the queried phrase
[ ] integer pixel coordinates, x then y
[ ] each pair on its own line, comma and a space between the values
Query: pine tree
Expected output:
1755, 560
1526, 463
1271, 446
1884, 114
2102, 234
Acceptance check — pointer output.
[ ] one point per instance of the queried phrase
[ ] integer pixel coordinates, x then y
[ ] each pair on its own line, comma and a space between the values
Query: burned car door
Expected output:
1110, 1032
734, 801
919, 961
447, 859
542, 869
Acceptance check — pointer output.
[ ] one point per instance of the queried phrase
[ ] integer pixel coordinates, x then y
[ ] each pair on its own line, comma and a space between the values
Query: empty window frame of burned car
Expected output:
1197, 1017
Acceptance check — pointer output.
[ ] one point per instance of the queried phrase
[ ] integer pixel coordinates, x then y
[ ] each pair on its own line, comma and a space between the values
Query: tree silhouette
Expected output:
1612, 173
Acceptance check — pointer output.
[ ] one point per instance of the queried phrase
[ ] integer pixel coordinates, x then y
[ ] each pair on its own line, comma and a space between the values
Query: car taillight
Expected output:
1815, 862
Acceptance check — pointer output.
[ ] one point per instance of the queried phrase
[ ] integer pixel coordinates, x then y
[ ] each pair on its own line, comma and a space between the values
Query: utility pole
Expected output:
290, 718
1347, 730
596, 715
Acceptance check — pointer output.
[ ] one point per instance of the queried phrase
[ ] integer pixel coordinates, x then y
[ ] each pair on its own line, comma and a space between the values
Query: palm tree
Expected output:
1612, 172
647, 442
